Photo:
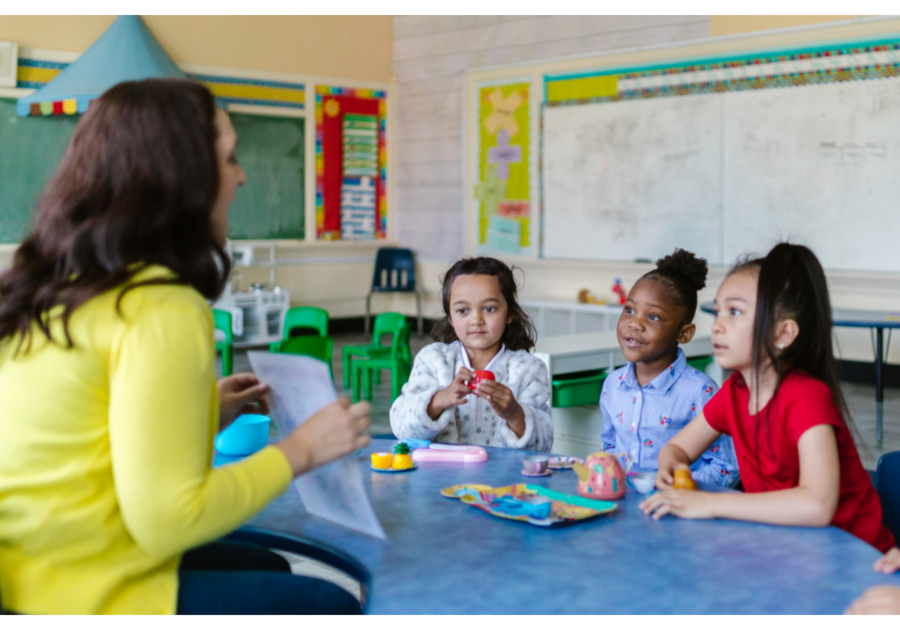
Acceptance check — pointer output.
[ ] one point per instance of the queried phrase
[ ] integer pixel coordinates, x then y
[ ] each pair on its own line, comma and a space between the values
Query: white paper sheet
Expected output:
300, 386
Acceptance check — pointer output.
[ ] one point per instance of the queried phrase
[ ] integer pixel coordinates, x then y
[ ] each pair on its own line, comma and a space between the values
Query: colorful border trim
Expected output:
381, 95
769, 69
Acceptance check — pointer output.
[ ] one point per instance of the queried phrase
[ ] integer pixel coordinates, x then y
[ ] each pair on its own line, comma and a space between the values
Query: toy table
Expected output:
876, 321
444, 557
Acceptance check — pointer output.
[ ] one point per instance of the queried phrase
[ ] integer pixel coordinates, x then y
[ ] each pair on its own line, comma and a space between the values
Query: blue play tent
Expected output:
127, 51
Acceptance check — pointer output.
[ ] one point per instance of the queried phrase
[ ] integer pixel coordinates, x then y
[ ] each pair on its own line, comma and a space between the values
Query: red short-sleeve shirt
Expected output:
767, 452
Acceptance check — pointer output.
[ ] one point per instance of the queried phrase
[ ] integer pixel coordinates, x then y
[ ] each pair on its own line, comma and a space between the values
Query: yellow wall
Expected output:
733, 24
354, 47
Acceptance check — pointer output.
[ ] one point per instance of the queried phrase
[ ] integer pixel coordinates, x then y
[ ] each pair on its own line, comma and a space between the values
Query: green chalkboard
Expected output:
270, 204
30, 152
270, 149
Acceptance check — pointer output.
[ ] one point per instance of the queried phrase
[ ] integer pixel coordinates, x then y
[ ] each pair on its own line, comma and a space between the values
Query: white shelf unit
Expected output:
552, 319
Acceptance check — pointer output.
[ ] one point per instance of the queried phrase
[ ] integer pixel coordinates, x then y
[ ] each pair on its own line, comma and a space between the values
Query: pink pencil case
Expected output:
450, 453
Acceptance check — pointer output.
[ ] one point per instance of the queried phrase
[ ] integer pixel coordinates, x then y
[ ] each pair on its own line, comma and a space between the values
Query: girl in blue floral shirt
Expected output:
648, 401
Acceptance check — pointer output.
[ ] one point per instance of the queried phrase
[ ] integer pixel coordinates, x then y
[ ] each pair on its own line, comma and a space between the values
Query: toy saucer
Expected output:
392, 471
563, 463
546, 473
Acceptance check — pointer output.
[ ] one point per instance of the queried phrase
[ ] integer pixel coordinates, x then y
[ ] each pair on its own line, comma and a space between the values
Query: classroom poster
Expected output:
503, 187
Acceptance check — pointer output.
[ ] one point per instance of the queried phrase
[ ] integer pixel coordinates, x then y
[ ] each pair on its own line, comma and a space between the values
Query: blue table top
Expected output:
848, 317
442, 556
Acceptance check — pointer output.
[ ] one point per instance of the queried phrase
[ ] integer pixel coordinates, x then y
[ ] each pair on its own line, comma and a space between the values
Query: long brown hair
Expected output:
136, 187
518, 334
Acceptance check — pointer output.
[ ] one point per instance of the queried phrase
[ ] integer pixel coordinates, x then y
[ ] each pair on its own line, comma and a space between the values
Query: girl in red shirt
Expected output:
783, 408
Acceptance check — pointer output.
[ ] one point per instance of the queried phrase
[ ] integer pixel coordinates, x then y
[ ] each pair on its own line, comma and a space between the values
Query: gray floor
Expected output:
860, 400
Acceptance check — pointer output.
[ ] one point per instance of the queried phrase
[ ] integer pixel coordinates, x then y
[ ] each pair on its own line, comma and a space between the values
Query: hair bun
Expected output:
685, 263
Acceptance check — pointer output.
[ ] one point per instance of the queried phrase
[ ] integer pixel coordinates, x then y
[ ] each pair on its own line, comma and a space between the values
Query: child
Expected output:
649, 400
783, 407
483, 329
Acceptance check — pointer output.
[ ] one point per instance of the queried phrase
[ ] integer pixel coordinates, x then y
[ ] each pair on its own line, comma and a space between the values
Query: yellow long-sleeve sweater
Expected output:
105, 451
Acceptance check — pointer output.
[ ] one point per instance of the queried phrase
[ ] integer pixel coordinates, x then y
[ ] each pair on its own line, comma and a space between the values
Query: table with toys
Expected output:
555, 551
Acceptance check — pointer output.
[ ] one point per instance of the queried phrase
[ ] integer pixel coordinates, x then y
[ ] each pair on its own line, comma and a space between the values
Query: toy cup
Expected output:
535, 464
481, 375
643, 482
601, 477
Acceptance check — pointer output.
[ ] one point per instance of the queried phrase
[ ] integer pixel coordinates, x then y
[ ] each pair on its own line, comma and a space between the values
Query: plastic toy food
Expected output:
481, 375
382, 461
402, 460
601, 477
683, 480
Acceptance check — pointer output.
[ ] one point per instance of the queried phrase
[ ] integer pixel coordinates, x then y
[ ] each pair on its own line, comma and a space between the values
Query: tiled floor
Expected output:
860, 400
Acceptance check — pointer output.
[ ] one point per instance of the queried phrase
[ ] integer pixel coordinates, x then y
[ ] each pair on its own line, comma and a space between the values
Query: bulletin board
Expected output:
503, 189
351, 200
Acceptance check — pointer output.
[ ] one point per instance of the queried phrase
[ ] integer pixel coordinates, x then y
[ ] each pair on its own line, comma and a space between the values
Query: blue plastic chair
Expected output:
887, 483
395, 272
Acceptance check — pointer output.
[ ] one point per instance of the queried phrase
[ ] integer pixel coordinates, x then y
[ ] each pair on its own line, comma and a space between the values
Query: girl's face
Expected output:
650, 326
478, 311
732, 330
231, 175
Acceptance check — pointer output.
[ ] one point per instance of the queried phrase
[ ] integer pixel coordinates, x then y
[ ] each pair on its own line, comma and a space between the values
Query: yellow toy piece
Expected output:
402, 458
382, 461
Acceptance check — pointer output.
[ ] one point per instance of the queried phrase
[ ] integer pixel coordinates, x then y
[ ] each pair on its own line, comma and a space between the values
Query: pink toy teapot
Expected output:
602, 476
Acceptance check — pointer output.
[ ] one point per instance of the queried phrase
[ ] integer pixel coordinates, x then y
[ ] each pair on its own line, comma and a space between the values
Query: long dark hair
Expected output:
792, 285
518, 334
136, 187
684, 275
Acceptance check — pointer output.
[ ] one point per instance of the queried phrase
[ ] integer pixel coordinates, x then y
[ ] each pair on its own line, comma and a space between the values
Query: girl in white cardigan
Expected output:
483, 328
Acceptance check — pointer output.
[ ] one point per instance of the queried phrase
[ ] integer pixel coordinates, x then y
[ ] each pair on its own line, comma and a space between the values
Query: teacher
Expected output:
109, 397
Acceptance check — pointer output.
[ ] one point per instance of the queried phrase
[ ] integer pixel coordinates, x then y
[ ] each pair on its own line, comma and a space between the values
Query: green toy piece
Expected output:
401, 449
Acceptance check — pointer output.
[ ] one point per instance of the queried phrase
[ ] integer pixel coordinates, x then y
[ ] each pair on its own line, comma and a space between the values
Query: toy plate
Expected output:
546, 473
565, 509
563, 463
391, 471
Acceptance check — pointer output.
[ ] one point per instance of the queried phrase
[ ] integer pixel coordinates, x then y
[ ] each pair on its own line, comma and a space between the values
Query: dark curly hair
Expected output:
684, 274
136, 187
519, 334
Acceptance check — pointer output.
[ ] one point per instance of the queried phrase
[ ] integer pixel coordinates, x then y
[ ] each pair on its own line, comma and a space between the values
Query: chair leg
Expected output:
367, 383
356, 378
345, 355
419, 312
228, 361
376, 376
368, 310
396, 369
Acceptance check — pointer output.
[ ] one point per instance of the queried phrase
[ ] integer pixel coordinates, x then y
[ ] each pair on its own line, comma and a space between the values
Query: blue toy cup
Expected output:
246, 435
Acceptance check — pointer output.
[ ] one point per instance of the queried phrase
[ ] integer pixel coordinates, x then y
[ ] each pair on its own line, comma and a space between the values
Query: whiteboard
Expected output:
819, 165
632, 179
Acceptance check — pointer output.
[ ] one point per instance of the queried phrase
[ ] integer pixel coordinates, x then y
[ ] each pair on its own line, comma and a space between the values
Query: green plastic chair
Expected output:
399, 363
385, 324
320, 348
222, 321
303, 317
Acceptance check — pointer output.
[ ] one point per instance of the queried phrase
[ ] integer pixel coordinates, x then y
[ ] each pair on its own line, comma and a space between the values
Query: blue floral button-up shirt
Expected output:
640, 420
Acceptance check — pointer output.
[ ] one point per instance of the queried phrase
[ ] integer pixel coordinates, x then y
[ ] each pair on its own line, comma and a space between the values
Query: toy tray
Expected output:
450, 453
565, 509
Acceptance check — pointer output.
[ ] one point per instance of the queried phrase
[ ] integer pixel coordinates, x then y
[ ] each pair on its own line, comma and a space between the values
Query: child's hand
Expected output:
504, 403
878, 600
681, 503
668, 464
889, 562
454, 394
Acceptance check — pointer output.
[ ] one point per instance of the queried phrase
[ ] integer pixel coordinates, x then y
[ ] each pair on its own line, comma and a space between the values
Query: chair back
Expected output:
306, 317
222, 321
887, 483
309, 345
395, 270
400, 350
387, 324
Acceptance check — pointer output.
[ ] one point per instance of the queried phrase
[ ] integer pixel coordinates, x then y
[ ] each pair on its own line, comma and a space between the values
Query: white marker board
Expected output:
817, 164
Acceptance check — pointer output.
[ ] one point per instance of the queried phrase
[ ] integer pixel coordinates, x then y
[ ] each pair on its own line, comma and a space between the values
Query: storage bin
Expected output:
578, 388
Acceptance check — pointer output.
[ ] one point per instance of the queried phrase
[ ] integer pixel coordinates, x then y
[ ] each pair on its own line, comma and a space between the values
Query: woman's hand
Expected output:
681, 503
332, 432
240, 393
889, 562
878, 600
454, 394
504, 403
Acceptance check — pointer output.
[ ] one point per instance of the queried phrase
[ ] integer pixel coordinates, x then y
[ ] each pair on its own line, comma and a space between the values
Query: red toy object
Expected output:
619, 290
481, 375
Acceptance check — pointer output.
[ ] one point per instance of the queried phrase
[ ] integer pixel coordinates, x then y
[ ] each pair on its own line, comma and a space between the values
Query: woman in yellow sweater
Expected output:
109, 399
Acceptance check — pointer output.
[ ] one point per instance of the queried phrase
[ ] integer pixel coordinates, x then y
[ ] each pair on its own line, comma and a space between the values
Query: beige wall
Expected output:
720, 25
354, 47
